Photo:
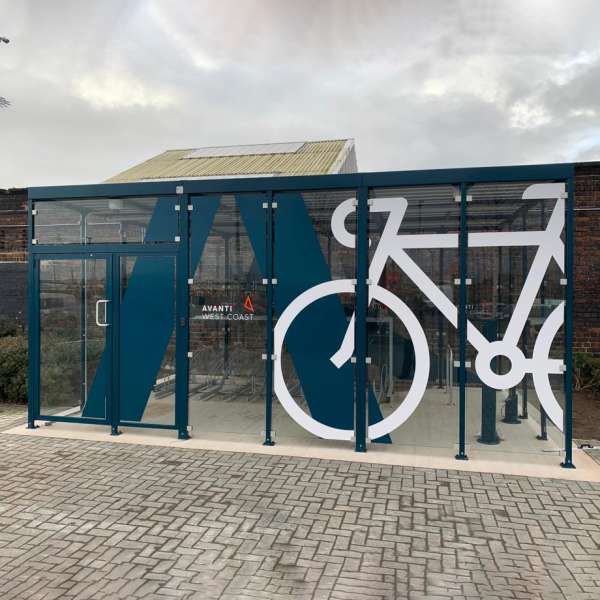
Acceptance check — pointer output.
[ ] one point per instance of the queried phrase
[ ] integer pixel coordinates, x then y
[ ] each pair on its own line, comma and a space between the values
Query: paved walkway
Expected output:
97, 520
11, 414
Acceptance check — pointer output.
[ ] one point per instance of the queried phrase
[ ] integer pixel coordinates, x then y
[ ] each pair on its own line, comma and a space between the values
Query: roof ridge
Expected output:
258, 144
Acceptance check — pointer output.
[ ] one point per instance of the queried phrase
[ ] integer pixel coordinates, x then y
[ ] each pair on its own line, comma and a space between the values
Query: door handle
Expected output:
98, 302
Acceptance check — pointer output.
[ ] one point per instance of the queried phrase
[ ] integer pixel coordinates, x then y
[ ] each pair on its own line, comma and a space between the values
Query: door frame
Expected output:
112, 345
116, 362
34, 407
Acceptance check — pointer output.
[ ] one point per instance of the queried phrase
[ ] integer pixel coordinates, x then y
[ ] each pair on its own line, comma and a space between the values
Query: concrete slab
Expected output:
509, 463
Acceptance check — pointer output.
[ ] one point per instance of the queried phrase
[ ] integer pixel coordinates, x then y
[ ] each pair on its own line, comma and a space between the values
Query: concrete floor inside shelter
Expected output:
428, 439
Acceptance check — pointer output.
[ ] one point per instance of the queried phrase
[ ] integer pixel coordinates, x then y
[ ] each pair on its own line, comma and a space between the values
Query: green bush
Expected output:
8, 327
13, 369
586, 372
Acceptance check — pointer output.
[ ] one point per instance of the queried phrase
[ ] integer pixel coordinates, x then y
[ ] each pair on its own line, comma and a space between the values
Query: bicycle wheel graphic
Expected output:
417, 336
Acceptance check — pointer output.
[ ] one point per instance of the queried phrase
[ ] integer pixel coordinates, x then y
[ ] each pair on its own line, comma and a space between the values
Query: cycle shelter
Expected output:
429, 310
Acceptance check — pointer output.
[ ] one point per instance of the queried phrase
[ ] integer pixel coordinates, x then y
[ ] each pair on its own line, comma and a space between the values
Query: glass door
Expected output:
146, 289
75, 337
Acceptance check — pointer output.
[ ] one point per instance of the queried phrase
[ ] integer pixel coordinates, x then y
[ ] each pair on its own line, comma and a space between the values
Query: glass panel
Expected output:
314, 301
105, 220
411, 334
515, 261
227, 316
73, 375
147, 339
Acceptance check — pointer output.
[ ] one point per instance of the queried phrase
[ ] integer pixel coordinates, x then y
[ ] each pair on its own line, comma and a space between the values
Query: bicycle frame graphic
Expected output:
394, 245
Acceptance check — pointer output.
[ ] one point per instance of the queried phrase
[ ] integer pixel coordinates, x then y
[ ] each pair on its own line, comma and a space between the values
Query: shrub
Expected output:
586, 372
8, 327
13, 369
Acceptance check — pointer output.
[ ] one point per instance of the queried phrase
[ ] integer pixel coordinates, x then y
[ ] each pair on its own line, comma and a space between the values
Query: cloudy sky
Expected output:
97, 86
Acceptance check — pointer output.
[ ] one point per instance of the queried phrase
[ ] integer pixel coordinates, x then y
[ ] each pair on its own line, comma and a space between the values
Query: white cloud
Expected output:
528, 114
110, 90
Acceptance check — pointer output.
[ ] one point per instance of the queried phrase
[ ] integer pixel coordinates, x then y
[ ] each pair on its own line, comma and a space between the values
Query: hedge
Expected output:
13, 369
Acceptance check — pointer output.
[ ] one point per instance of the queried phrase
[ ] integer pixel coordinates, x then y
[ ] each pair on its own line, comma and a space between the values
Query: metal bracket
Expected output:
457, 363
177, 238
563, 195
178, 207
468, 281
563, 368
367, 360
265, 281
264, 433
190, 354
274, 281
273, 204
265, 205
34, 241
563, 281
34, 211
368, 282
190, 281
457, 198
190, 207
265, 357
179, 189
354, 202
353, 360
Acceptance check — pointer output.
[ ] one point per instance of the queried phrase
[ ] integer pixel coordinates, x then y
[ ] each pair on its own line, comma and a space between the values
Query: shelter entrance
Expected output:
106, 331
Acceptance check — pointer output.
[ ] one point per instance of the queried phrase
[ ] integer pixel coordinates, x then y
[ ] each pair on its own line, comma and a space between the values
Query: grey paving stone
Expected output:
100, 521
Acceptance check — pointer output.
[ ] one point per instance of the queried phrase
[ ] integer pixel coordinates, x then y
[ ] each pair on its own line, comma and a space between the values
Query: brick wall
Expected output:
13, 225
13, 254
587, 258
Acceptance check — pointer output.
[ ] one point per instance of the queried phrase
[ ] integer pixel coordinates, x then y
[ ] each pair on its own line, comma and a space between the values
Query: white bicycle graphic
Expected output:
393, 245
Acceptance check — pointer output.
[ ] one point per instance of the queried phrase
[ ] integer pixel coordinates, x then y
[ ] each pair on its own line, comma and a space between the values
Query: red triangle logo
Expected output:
248, 304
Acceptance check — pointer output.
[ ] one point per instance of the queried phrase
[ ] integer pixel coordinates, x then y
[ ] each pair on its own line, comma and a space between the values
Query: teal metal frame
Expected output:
269, 186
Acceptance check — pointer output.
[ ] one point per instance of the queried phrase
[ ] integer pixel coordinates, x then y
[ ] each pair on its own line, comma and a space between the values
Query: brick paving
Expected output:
92, 520
11, 415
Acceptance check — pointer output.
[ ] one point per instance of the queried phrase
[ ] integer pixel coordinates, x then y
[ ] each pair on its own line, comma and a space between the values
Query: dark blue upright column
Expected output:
462, 323
269, 242
568, 424
182, 312
360, 322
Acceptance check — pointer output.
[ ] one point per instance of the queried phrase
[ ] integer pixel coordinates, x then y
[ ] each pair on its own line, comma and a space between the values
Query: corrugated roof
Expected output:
303, 158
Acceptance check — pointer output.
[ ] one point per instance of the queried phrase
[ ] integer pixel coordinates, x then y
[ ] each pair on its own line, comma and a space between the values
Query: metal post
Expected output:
543, 436
33, 299
489, 434
568, 379
270, 268
525, 336
462, 323
543, 426
113, 339
182, 320
360, 322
